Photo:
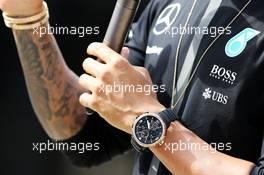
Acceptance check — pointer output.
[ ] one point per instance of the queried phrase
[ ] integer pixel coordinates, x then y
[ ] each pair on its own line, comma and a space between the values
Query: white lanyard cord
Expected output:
177, 54
173, 106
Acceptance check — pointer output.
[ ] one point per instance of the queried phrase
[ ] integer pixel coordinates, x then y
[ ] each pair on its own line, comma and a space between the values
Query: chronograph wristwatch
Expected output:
150, 129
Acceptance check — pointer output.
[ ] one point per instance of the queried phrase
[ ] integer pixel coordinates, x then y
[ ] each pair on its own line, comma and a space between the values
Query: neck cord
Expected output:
174, 104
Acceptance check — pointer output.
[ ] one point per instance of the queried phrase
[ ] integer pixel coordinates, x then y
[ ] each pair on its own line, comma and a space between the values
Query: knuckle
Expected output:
100, 46
82, 100
93, 102
143, 70
98, 88
120, 64
93, 46
86, 62
82, 77
99, 92
106, 76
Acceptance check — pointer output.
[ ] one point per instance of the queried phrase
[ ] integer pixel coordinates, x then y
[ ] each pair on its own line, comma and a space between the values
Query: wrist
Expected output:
24, 11
27, 22
156, 108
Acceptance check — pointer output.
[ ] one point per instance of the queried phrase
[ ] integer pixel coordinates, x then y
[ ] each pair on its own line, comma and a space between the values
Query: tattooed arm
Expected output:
53, 88
54, 92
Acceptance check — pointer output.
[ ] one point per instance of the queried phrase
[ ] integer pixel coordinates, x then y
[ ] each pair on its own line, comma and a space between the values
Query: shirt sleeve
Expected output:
259, 168
110, 142
138, 36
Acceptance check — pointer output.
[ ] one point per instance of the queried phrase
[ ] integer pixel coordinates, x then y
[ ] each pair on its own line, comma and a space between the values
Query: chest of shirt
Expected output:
226, 86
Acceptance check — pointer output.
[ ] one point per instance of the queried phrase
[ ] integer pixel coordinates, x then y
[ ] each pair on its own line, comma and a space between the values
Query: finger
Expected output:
87, 101
88, 82
125, 52
103, 52
92, 67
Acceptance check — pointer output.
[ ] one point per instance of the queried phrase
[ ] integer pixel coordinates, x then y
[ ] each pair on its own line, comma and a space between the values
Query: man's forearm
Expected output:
193, 161
52, 86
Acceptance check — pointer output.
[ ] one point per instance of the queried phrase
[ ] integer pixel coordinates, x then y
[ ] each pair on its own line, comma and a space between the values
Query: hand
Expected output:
118, 107
21, 7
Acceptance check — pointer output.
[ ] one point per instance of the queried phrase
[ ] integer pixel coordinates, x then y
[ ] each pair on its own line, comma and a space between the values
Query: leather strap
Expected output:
168, 116
137, 147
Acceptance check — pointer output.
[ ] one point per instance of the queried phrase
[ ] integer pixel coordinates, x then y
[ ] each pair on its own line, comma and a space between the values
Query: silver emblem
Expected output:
166, 18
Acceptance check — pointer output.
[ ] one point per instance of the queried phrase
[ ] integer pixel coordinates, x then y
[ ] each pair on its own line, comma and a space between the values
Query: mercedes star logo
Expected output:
166, 18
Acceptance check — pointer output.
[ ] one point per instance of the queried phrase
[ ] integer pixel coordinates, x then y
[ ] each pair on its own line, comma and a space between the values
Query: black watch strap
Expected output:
137, 147
168, 116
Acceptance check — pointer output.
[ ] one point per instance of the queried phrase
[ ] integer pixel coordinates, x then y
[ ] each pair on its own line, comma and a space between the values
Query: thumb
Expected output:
125, 52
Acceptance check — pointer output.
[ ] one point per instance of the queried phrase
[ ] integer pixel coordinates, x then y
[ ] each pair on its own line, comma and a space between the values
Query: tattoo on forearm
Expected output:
53, 88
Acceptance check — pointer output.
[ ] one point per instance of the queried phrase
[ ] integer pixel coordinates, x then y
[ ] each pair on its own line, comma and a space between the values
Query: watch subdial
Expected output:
144, 134
155, 126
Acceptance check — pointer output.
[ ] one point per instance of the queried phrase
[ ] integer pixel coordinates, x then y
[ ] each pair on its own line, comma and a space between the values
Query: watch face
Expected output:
149, 130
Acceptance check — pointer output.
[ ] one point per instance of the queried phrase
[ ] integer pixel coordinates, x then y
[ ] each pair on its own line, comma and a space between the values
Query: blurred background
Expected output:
19, 127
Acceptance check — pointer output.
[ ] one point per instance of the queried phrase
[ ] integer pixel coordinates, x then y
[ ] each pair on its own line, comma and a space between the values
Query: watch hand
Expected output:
148, 124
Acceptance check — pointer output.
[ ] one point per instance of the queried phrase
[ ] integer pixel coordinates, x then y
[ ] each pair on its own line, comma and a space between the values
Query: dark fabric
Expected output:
259, 168
111, 141
224, 102
140, 32
240, 120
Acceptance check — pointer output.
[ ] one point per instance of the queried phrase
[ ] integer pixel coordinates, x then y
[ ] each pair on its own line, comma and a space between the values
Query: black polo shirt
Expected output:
224, 100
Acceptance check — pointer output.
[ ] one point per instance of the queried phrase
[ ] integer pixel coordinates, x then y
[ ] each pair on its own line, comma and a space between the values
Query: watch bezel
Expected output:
161, 139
